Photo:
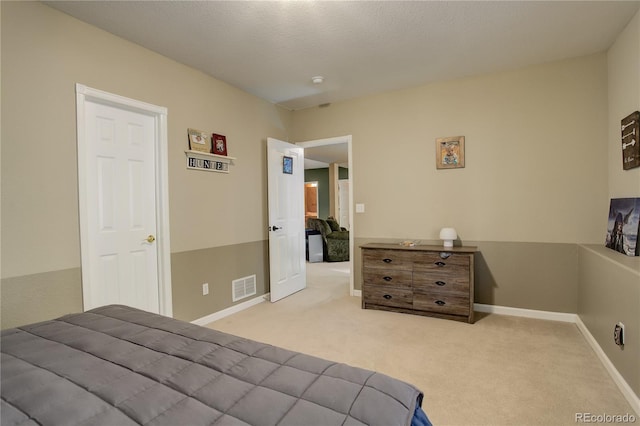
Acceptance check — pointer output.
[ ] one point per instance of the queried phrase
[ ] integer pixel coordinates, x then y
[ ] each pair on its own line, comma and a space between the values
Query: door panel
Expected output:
120, 158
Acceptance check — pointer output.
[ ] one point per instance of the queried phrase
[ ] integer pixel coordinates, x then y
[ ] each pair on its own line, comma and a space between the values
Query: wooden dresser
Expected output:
422, 280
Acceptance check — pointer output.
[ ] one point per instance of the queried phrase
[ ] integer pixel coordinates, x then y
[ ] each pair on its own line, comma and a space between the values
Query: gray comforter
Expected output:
120, 366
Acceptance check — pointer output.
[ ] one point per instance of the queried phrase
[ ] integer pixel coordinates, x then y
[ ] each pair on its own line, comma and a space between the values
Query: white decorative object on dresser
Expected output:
423, 280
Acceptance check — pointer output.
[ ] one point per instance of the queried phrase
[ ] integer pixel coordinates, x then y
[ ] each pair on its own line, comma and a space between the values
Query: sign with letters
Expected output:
209, 165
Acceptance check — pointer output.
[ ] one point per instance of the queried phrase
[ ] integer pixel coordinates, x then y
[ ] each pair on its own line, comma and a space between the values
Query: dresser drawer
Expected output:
387, 259
457, 282
443, 262
387, 296
391, 277
447, 303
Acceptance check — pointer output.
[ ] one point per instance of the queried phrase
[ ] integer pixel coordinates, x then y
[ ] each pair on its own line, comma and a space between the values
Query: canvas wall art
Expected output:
624, 226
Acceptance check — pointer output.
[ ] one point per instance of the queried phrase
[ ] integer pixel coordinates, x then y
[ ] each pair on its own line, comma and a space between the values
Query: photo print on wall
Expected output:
623, 226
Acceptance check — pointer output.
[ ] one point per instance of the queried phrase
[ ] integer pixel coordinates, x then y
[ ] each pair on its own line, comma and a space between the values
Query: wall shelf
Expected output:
209, 162
631, 263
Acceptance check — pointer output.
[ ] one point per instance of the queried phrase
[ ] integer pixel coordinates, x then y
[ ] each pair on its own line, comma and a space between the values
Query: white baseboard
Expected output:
231, 310
622, 384
528, 313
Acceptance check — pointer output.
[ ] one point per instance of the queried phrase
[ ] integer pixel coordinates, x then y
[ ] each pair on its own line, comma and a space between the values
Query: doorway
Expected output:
325, 151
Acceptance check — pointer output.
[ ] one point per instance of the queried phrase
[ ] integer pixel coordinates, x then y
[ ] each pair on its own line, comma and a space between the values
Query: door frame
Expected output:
84, 94
334, 141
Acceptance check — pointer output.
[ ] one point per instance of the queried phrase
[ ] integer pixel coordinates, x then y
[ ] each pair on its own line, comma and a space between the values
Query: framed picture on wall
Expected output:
623, 226
287, 165
450, 152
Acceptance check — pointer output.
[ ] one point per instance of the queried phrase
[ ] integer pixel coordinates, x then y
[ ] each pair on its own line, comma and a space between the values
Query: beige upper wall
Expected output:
536, 150
536, 161
44, 54
624, 98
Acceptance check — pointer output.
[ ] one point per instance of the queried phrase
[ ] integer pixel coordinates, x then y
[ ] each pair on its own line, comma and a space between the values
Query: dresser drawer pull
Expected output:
387, 296
440, 283
387, 278
444, 255
440, 302
387, 260
440, 264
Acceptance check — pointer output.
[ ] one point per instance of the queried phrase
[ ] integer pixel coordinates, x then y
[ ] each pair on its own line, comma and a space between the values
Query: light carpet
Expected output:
502, 370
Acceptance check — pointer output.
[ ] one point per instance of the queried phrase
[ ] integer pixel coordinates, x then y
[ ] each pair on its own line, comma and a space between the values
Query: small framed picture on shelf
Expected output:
287, 165
450, 152
199, 141
218, 144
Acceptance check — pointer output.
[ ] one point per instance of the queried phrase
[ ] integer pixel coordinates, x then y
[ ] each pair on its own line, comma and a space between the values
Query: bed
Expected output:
119, 366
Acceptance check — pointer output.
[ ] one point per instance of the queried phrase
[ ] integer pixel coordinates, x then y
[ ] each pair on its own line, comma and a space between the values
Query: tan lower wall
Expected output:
218, 266
38, 297
610, 292
540, 276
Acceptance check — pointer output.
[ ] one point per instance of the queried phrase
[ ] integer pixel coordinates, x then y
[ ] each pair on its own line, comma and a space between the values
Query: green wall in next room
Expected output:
322, 177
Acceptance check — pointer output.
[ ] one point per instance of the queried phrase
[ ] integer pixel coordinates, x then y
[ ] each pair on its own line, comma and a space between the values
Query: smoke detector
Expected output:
317, 79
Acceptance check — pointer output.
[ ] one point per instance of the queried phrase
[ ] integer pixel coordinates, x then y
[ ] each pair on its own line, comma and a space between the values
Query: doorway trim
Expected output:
334, 141
84, 94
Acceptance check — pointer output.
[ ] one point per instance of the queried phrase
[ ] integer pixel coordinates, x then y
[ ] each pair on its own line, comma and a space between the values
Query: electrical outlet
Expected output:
205, 289
618, 334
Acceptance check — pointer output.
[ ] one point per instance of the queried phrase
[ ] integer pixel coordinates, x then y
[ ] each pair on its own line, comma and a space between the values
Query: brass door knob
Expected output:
151, 239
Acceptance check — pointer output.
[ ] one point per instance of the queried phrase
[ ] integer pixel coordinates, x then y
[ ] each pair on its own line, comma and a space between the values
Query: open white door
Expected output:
287, 265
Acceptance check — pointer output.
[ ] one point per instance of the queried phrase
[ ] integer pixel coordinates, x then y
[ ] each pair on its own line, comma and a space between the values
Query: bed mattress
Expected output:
116, 365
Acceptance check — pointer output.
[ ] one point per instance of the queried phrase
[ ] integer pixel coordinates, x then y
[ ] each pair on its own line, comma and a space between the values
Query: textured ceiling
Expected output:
272, 49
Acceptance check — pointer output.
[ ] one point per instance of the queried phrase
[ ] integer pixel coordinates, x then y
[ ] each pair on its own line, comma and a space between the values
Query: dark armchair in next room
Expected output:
335, 240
